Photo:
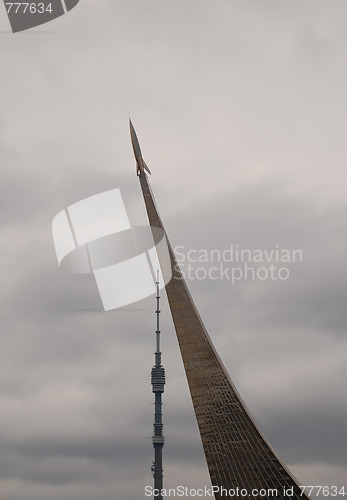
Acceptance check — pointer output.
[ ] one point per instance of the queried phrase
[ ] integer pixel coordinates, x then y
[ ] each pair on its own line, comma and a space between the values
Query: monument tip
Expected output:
140, 164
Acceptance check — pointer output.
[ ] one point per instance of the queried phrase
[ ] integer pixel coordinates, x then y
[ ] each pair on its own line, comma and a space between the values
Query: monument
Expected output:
239, 458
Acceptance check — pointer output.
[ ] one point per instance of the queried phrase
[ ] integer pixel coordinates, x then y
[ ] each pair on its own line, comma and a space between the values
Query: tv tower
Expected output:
158, 382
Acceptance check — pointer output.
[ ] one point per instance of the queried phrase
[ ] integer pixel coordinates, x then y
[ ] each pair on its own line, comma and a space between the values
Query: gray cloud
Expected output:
240, 110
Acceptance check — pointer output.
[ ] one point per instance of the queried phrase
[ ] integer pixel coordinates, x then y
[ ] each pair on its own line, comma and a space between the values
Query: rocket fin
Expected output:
145, 166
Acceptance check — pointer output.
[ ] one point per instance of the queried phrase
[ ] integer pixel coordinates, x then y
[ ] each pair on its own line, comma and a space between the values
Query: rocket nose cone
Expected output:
132, 130
135, 143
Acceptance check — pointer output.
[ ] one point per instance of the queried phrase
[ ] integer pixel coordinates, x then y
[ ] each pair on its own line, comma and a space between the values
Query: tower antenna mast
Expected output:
158, 382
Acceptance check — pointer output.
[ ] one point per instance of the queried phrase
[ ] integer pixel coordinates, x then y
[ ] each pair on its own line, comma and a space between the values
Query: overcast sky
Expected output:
240, 108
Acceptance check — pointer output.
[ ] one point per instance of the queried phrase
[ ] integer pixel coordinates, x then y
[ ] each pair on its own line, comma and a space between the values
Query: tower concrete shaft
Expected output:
237, 453
158, 382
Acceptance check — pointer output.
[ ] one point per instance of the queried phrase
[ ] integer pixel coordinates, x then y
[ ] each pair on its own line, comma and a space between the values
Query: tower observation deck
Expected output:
238, 455
158, 382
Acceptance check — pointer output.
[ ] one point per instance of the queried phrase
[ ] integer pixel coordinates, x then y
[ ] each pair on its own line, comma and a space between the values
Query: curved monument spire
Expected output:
237, 453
